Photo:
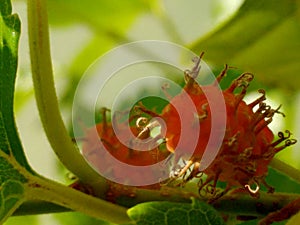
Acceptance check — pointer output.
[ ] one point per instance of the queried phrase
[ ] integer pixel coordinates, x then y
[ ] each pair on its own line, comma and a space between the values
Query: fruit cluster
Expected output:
242, 159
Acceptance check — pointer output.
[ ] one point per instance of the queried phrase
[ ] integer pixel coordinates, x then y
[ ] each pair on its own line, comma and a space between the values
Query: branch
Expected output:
238, 203
63, 198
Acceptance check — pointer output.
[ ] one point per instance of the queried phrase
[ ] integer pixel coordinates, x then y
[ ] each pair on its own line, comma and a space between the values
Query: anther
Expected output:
251, 167
141, 122
221, 75
287, 143
164, 88
182, 171
242, 81
190, 75
281, 138
253, 191
104, 119
233, 139
273, 111
205, 113
143, 109
259, 100
246, 154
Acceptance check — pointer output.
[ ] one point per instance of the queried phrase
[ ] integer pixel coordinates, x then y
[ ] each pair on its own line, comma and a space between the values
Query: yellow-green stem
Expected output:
46, 98
50, 191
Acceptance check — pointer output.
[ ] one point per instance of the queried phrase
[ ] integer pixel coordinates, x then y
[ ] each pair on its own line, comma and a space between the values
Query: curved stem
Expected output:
47, 100
49, 191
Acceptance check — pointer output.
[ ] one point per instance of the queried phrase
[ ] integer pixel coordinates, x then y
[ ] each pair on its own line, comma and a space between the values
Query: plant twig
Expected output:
234, 203
47, 100
39, 188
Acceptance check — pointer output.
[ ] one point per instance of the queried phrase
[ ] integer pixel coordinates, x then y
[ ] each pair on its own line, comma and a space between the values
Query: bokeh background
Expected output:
261, 37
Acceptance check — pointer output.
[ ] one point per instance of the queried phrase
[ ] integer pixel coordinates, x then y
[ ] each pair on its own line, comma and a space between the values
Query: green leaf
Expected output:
21, 220
9, 37
263, 38
12, 158
11, 189
164, 213
12, 193
78, 219
282, 182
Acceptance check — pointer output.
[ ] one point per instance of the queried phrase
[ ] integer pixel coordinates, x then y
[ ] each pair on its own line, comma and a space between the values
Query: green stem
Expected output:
47, 100
35, 207
286, 169
234, 203
49, 191
244, 204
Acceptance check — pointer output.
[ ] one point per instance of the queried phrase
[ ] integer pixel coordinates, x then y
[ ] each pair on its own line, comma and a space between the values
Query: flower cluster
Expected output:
248, 145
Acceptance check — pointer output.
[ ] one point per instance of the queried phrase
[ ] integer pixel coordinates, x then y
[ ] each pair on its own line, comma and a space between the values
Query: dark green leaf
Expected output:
12, 158
9, 37
167, 213
263, 38
11, 188
11, 197
282, 182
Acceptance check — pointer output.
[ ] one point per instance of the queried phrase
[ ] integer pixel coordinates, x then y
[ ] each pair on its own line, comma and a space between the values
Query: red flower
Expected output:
246, 150
248, 145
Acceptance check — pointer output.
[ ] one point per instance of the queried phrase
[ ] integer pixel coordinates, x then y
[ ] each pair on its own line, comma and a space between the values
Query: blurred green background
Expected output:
262, 37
